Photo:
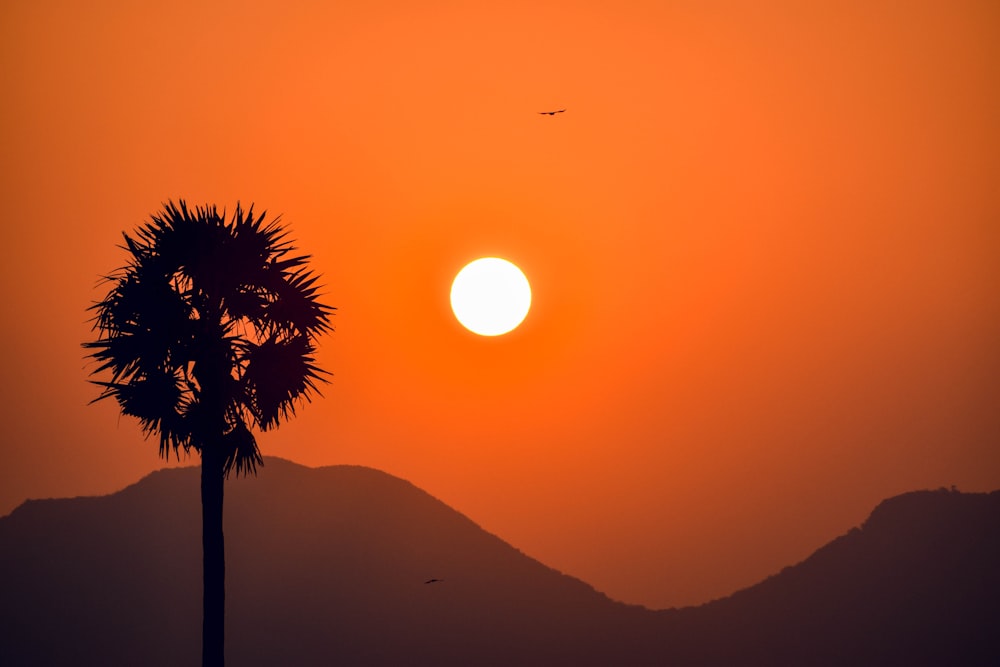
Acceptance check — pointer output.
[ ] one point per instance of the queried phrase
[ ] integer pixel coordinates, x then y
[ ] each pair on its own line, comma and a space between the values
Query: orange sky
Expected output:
764, 244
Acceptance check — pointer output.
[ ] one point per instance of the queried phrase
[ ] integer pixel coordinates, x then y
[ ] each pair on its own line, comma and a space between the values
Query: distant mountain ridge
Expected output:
327, 566
918, 583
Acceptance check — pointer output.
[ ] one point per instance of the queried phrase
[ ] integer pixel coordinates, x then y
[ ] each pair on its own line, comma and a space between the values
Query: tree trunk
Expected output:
214, 570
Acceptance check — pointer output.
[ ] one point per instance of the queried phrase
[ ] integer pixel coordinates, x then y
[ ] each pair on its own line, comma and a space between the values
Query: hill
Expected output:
324, 566
917, 584
328, 566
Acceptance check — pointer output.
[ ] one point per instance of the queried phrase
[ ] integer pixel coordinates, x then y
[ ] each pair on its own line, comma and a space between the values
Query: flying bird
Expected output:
551, 113
433, 581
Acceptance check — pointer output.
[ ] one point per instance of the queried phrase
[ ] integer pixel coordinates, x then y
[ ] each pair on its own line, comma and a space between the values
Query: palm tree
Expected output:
207, 333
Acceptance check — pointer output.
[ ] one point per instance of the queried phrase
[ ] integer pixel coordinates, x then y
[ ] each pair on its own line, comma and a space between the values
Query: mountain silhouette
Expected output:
330, 566
917, 584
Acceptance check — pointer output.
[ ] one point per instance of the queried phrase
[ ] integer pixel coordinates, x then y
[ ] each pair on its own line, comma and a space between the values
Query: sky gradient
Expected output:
763, 243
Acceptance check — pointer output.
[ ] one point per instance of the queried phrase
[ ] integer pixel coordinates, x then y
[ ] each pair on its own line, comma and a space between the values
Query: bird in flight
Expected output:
433, 581
551, 113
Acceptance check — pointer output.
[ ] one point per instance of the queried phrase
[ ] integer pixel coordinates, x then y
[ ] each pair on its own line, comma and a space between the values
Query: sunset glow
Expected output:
762, 244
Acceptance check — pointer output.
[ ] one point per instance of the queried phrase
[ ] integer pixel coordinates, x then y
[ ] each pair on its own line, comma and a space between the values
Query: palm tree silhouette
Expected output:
207, 333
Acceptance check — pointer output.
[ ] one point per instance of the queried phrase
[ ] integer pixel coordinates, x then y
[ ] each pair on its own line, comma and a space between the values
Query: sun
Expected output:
490, 296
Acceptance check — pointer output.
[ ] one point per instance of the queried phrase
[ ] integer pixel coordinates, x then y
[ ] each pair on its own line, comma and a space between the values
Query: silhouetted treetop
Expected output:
209, 330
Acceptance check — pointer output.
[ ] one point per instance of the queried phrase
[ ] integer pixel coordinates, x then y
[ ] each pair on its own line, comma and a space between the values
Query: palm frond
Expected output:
158, 401
242, 453
279, 372
296, 306
144, 325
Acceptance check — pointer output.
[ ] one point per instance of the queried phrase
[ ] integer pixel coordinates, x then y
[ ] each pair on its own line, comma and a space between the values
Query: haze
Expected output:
762, 242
